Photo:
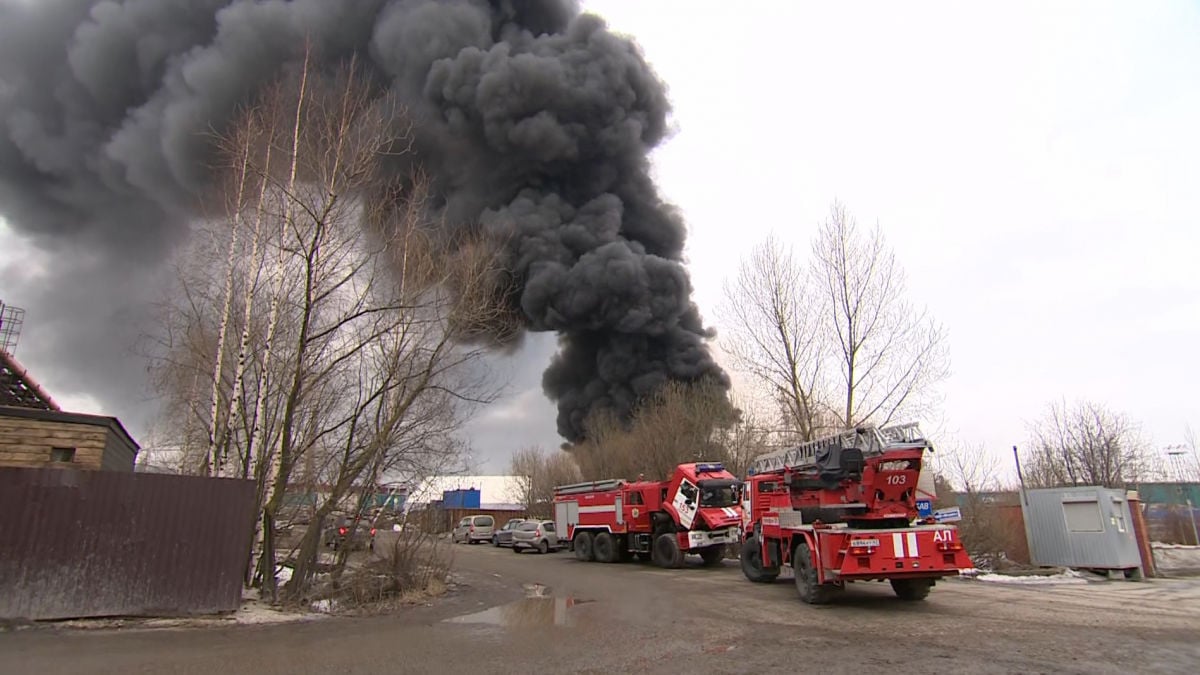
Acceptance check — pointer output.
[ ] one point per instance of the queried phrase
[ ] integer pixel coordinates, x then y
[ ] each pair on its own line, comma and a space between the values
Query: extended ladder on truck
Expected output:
871, 440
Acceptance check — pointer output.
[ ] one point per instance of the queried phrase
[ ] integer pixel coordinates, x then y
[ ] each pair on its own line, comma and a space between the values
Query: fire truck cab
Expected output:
697, 510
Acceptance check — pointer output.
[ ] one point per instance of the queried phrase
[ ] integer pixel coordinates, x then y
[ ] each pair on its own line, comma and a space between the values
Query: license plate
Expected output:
874, 543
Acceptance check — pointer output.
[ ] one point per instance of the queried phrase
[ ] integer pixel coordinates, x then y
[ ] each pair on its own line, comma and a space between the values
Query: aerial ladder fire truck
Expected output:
695, 511
843, 508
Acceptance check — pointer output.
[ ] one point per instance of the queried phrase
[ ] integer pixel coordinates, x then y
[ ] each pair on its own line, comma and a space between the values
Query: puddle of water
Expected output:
530, 612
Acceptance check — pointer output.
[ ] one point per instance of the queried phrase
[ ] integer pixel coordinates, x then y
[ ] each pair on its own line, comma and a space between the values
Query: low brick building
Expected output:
30, 437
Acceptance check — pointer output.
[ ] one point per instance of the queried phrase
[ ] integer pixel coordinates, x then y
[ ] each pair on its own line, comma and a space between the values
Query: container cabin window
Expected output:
1083, 516
62, 454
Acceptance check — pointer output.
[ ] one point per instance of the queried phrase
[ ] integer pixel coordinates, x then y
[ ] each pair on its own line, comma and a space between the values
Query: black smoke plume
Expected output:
535, 121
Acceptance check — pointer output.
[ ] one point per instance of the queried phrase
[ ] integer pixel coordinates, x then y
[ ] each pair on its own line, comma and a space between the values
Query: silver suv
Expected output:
535, 534
473, 529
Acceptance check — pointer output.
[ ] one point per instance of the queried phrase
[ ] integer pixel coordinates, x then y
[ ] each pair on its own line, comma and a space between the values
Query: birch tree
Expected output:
351, 304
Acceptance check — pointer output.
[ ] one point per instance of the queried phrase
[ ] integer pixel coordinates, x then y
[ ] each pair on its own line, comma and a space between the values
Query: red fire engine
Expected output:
842, 509
695, 511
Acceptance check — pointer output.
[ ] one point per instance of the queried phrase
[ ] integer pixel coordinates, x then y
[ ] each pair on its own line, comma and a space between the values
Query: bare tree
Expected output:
745, 439
359, 366
969, 477
890, 353
1085, 444
679, 423
775, 332
833, 338
537, 473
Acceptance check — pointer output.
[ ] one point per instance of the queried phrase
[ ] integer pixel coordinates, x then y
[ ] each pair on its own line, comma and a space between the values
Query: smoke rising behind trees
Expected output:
533, 120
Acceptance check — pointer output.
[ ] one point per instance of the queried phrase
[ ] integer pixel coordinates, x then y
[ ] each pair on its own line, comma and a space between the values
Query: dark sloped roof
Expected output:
18, 388
72, 418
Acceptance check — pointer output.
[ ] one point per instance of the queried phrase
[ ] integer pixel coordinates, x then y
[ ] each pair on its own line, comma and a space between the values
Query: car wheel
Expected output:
515, 549
543, 547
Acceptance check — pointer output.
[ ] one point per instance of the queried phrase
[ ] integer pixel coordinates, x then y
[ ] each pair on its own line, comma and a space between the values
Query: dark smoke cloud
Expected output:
536, 123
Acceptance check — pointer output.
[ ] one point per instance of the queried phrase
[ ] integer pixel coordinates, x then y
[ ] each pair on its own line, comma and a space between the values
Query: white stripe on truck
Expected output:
611, 508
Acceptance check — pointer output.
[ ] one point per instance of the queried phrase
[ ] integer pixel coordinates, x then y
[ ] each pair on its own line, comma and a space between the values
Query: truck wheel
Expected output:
912, 589
752, 563
605, 548
583, 546
810, 591
712, 556
666, 551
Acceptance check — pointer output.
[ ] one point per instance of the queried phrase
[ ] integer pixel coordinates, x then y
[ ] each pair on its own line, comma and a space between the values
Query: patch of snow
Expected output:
1185, 547
1065, 577
324, 606
970, 572
260, 613
283, 575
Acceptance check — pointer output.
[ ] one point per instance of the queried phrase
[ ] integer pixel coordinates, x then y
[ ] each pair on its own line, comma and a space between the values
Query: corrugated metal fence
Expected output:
100, 543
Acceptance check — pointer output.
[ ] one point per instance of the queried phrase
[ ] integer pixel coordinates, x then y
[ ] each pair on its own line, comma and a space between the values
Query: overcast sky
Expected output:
1034, 166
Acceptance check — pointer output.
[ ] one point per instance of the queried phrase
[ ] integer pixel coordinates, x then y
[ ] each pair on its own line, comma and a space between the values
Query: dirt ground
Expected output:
516, 613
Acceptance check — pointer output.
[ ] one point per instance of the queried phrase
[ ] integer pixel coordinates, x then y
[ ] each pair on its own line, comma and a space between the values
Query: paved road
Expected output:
633, 618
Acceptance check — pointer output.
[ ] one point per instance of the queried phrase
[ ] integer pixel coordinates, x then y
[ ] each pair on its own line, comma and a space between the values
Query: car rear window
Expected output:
527, 527
548, 526
484, 521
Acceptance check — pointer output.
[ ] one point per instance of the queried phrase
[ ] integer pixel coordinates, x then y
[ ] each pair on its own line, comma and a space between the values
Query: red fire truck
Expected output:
843, 508
695, 511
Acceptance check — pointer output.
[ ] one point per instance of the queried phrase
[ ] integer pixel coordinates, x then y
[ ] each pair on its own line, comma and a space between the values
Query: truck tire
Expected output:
712, 556
912, 590
666, 551
752, 563
583, 546
810, 591
605, 548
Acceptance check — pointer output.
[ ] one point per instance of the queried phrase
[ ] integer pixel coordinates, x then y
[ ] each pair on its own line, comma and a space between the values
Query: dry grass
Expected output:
410, 570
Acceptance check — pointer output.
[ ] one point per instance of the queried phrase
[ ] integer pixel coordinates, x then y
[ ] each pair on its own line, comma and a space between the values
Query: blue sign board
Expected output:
924, 508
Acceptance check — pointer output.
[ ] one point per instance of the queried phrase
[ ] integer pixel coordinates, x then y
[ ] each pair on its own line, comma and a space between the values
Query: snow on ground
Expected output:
1064, 577
257, 612
1176, 559
1068, 577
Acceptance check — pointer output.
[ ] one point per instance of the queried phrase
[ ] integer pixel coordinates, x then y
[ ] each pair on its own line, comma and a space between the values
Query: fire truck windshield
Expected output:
718, 493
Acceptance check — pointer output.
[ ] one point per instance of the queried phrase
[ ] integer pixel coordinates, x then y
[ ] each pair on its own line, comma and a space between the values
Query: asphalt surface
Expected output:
517, 613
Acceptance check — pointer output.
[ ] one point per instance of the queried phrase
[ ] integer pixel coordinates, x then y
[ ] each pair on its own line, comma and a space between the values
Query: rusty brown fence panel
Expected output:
104, 543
